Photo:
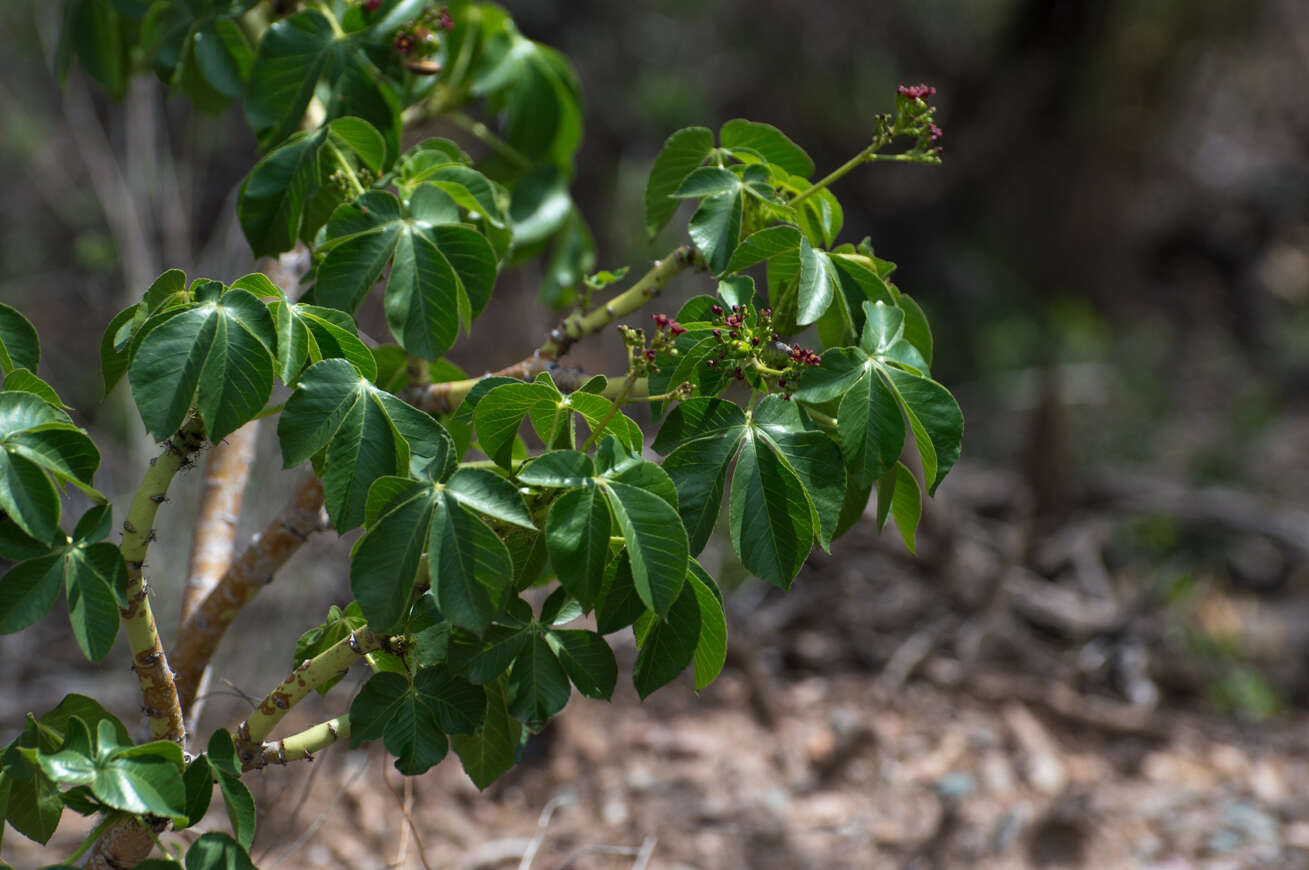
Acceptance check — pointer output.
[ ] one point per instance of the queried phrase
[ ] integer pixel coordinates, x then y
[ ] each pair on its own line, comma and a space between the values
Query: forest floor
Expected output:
1013, 697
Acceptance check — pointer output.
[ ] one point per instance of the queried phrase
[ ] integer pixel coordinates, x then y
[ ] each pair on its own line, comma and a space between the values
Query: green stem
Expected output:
821, 417
302, 745
844, 169
92, 837
311, 674
269, 411
158, 689
487, 137
445, 397
599, 428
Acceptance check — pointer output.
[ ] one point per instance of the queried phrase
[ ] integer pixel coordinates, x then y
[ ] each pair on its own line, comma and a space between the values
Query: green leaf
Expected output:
384, 562
440, 272
577, 531
272, 200
114, 359
772, 143
470, 568
709, 181
934, 418
772, 529
216, 355
28, 591
681, 154
818, 281
240, 806
538, 686
763, 245
293, 54
540, 205
310, 333
558, 469
716, 229
811, 454
337, 408
701, 437
668, 645
619, 604
20, 348
488, 493
214, 851
537, 89
97, 33
199, 783
23, 381
95, 579
494, 749
362, 138
870, 426
711, 646
500, 412
587, 659
898, 494
35, 806
414, 719
656, 542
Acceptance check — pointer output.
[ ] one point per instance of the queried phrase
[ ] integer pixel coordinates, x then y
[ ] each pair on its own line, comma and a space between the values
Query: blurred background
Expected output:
1099, 656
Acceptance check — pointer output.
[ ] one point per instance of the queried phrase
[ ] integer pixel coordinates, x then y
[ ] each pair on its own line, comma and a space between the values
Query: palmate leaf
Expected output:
20, 348
101, 37
441, 272
468, 565
667, 645
94, 579
787, 486
499, 412
876, 383
682, 153
202, 48
643, 502
294, 54
215, 355
38, 446
288, 194
135, 779
307, 334
537, 89
494, 748
413, 719
769, 142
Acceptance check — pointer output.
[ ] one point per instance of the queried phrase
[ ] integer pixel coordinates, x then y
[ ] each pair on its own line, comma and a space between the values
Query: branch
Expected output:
226, 474
300, 746
199, 635
311, 674
158, 690
445, 397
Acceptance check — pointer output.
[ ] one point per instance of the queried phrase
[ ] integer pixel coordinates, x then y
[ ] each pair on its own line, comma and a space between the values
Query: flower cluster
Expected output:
750, 348
640, 356
418, 39
914, 117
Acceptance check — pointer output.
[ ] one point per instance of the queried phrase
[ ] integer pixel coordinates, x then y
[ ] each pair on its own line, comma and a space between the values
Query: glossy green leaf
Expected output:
414, 719
240, 804
711, 645
438, 269
763, 245
681, 154
871, 428
199, 783
587, 659
272, 200
28, 591
934, 418
701, 437
384, 562
656, 542
307, 334
293, 54
95, 579
489, 494
19, 346
577, 531
470, 568
619, 604
817, 283
500, 412
772, 528
216, 356
772, 143
538, 91
336, 407
215, 851
494, 748
668, 645
811, 454
538, 686
716, 229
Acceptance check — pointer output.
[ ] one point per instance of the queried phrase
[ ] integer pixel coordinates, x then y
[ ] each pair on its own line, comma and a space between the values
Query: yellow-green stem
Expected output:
862, 157
311, 674
302, 745
158, 690
486, 136
445, 397
599, 428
